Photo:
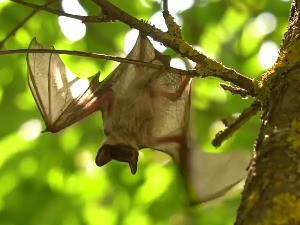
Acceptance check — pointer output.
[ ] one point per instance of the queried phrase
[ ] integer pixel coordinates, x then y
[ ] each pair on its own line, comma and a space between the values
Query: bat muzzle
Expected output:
119, 152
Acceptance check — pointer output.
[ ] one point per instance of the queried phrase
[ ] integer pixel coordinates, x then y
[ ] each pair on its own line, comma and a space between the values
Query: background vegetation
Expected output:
52, 179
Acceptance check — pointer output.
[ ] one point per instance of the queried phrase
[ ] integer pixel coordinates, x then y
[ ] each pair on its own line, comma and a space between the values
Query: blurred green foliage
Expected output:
52, 179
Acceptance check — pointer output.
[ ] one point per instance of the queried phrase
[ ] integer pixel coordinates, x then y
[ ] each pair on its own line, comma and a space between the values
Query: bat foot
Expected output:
119, 152
172, 96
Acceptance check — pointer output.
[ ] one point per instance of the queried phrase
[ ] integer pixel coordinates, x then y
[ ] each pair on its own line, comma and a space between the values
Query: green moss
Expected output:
169, 37
174, 29
184, 47
290, 56
252, 200
285, 209
294, 134
271, 81
211, 67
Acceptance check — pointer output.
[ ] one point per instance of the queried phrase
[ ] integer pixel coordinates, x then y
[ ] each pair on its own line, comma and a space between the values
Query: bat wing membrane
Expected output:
63, 99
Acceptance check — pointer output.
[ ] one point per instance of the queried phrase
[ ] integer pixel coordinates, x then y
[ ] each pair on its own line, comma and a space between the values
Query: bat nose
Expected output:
118, 152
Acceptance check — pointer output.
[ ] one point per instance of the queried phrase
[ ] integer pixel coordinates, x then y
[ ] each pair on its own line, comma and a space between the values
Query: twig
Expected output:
228, 74
207, 66
13, 31
165, 5
192, 73
243, 118
173, 27
84, 19
235, 90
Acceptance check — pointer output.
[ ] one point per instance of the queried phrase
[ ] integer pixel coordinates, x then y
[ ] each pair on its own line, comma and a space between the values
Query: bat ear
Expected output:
103, 156
133, 163
119, 152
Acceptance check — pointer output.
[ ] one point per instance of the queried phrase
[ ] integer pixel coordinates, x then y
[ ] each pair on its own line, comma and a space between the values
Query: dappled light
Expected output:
31, 129
178, 63
180, 6
156, 19
215, 127
268, 54
73, 29
129, 40
265, 23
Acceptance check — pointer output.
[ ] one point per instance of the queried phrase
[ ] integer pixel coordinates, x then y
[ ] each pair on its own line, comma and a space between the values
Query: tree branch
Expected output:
191, 73
165, 5
173, 28
247, 114
235, 90
83, 19
206, 66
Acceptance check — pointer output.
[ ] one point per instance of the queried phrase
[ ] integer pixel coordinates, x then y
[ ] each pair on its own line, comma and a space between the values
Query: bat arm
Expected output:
107, 102
183, 155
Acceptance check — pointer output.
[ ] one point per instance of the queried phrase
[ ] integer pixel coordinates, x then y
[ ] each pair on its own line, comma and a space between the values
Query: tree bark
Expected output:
272, 189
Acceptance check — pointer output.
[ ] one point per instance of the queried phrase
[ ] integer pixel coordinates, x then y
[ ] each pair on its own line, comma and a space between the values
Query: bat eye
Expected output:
121, 153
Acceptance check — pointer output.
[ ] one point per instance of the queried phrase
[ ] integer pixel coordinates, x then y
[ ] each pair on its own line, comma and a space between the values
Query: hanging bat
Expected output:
142, 107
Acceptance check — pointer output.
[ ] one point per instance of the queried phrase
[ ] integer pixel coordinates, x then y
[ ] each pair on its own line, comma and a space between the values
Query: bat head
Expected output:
119, 152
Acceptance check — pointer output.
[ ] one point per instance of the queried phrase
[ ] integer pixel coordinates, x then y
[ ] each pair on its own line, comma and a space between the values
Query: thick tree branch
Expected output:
206, 66
271, 194
289, 55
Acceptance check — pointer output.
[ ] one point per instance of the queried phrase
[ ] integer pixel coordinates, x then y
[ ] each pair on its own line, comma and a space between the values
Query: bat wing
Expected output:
212, 175
171, 106
207, 175
63, 99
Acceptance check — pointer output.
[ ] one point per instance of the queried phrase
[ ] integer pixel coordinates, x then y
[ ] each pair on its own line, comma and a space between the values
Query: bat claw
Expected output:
119, 152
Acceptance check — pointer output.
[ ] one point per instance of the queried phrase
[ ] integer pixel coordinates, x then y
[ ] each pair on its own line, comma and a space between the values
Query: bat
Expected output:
141, 107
